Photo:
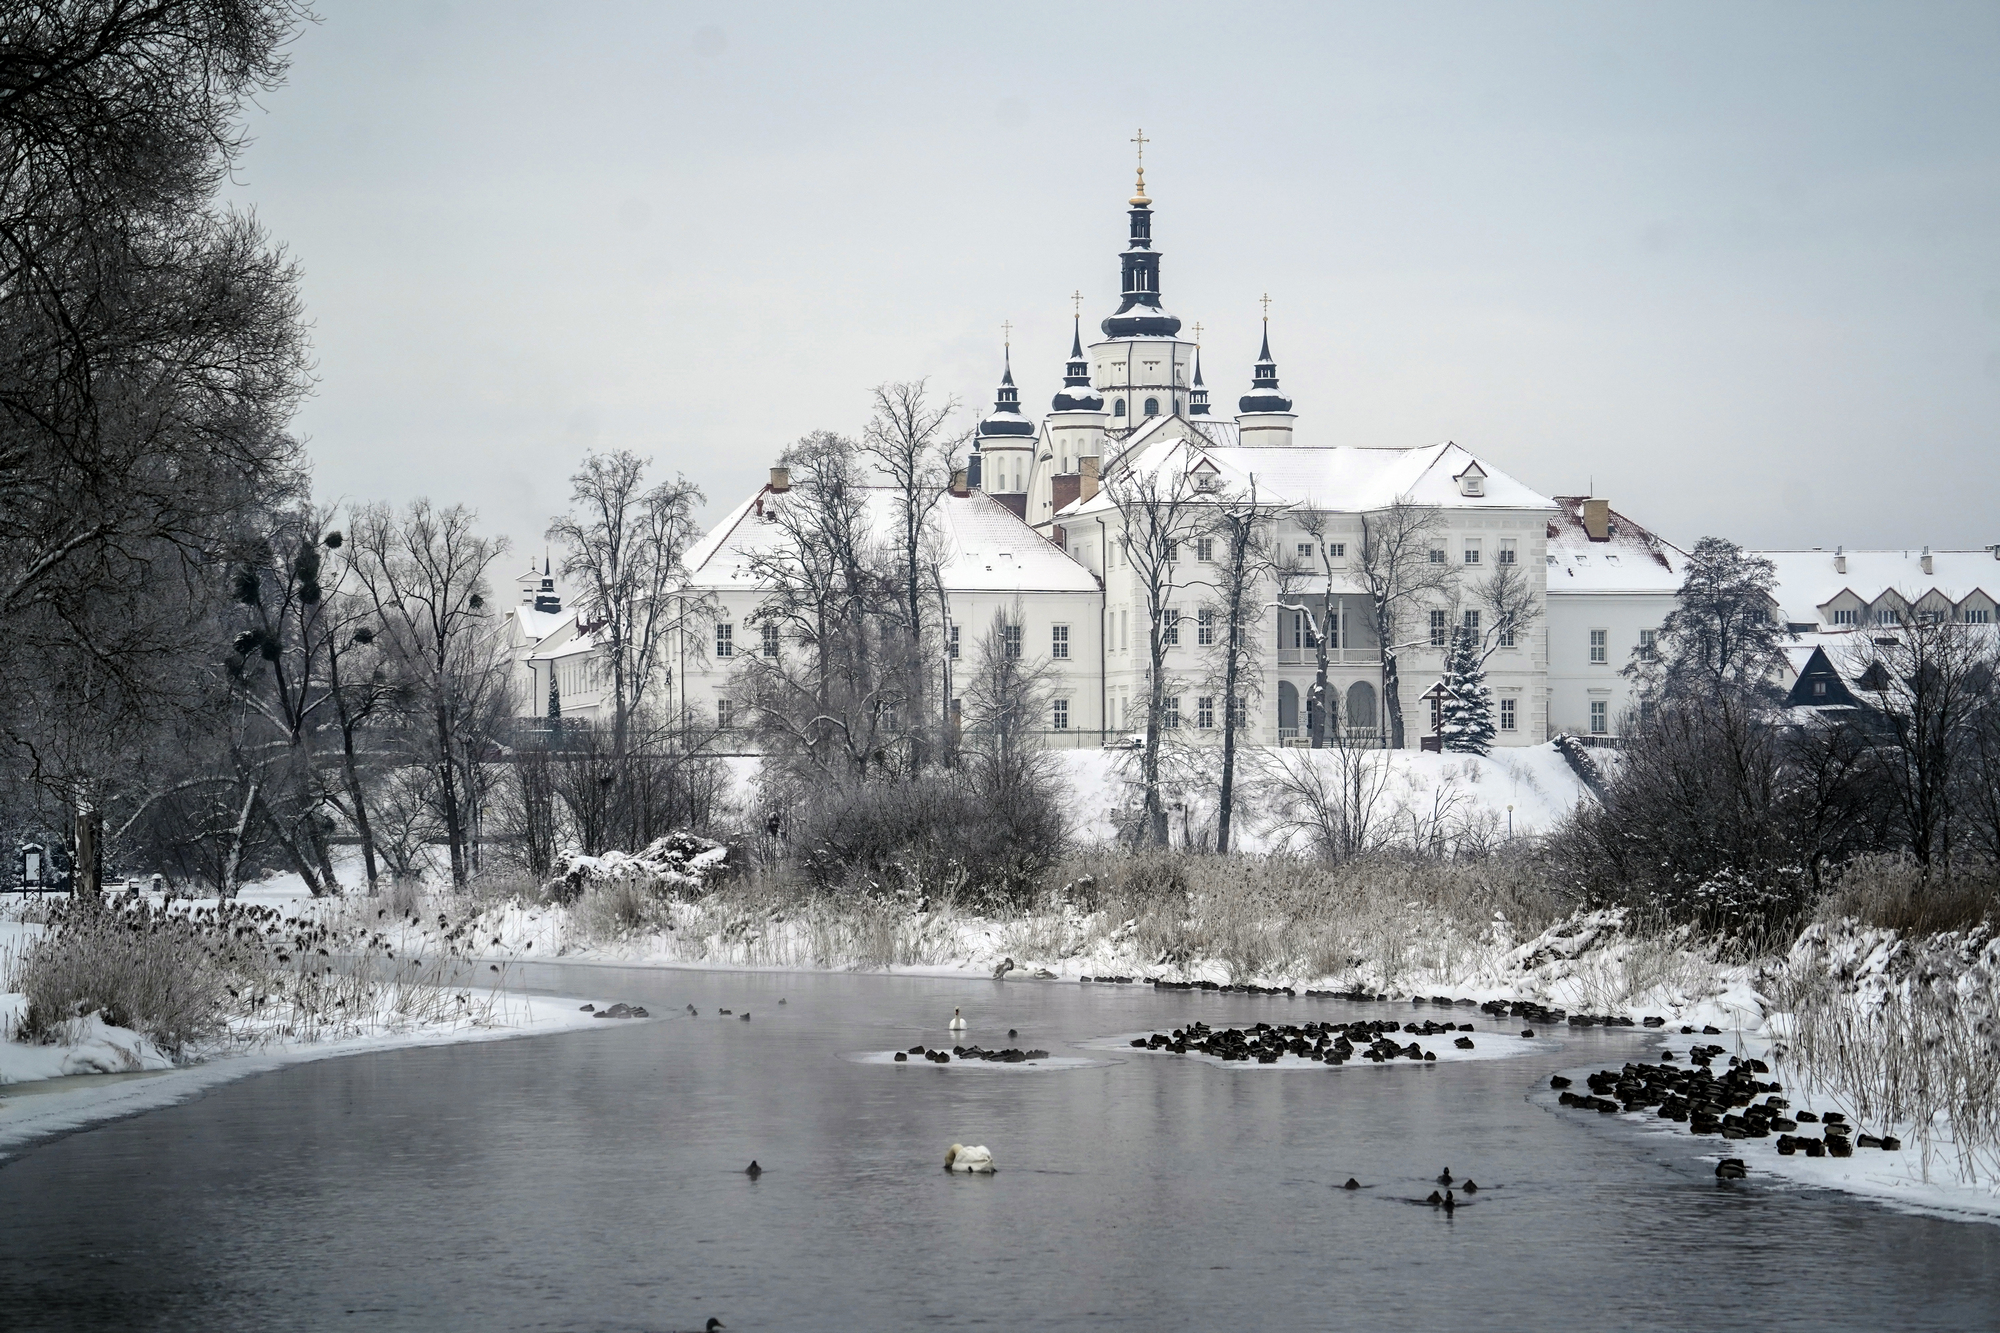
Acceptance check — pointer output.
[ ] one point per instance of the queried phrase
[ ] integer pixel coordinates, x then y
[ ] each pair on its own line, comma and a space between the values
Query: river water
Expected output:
595, 1181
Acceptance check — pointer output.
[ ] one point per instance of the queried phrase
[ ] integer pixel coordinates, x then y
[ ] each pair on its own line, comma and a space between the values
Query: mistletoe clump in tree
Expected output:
1467, 726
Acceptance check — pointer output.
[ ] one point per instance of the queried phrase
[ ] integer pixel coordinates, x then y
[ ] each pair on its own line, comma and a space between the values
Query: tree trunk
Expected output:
1392, 699
1156, 810
1227, 795
1317, 711
232, 865
448, 797
87, 868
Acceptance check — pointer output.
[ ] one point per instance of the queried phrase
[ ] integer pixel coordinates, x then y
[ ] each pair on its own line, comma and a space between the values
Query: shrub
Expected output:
135, 966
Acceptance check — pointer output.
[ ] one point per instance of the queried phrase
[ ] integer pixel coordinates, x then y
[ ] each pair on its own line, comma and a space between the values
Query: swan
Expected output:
957, 1023
961, 1158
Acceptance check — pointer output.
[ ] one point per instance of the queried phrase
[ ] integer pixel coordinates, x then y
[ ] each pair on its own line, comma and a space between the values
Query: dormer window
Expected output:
1472, 481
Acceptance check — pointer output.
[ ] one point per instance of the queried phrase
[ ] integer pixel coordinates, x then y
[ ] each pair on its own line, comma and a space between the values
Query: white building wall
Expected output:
1576, 678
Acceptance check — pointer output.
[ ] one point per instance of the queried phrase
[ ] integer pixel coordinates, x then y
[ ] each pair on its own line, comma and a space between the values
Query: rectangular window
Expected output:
1170, 627
1010, 640
1059, 641
951, 643
1437, 555
1337, 550
725, 640
1506, 635
1173, 551
1599, 650
1204, 550
1978, 615
1846, 617
1170, 711
1305, 550
1059, 715
1239, 712
1819, 689
1600, 713
1204, 711
770, 640
1507, 553
1204, 626
1507, 715
1472, 626
1440, 626
1472, 553
1647, 643
725, 714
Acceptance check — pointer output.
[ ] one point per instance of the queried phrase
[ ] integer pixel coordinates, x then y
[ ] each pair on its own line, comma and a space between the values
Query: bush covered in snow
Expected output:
680, 862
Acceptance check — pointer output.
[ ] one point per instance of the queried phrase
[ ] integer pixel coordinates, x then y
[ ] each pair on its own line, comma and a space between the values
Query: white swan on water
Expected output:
957, 1023
961, 1158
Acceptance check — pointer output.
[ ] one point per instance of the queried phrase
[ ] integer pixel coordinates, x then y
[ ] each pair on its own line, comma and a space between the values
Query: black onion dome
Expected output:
1264, 395
1006, 418
1076, 395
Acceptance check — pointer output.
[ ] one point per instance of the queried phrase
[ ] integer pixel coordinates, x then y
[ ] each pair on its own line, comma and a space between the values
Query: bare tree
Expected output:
1160, 512
1928, 681
1241, 530
623, 547
424, 573
1308, 586
1397, 568
905, 439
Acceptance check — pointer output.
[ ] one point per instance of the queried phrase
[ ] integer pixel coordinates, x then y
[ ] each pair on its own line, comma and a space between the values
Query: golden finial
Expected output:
1139, 199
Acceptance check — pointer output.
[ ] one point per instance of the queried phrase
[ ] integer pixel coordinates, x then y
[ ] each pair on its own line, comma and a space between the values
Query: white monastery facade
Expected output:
1032, 532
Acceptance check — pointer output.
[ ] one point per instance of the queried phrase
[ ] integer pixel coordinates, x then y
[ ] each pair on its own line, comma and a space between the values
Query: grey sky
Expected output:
1740, 265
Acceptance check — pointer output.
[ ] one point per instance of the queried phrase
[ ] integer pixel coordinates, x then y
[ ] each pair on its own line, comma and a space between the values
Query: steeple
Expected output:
1006, 418
1264, 395
1140, 314
1198, 394
1076, 395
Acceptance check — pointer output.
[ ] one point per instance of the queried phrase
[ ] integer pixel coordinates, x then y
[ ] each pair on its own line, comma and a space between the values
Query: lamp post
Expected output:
1510, 823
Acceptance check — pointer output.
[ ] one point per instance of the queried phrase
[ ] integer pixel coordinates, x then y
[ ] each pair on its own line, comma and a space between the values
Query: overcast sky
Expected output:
1739, 267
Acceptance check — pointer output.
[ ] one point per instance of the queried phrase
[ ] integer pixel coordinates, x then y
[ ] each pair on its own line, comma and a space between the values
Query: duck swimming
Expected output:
1444, 1176
957, 1023
753, 1170
961, 1158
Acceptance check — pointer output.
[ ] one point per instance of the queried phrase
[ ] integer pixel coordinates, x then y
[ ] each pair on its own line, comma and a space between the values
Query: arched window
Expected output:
1288, 710
1152, 407
1119, 410
1361, 704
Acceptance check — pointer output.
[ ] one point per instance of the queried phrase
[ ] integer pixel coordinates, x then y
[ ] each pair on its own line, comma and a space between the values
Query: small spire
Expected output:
1007, 365
1264, 395
1198, 392
1076, 338
1076, 395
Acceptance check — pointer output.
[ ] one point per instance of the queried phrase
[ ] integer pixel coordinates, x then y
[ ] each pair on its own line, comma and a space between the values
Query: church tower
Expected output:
1265, 415
1003, 448
1076, 414
1141, 368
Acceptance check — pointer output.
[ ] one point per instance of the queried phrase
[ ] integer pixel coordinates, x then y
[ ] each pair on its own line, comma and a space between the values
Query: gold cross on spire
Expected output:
1140, 139
1076, 303
1197, 333
1267, 305
1139, 199
1007, 331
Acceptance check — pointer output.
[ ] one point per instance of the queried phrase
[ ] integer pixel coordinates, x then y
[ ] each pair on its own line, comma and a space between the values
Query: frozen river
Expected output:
595, 1181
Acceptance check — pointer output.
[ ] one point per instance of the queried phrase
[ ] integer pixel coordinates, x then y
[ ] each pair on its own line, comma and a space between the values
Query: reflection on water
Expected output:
596, 1181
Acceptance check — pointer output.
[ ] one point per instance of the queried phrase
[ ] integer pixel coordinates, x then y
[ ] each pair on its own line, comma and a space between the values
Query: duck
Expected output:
1434, 1200
753, 1170
1006, 965
694, 1012
1444, 1176
1449, 1202
1469, 1187
1352, 1184
1012, 1032
961, 1158
745, 1016
957, 1023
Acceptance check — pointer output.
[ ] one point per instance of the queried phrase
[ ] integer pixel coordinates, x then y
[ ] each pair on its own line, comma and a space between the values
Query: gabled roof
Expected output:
1335, 478
1808, 580
1630, 559
987, 548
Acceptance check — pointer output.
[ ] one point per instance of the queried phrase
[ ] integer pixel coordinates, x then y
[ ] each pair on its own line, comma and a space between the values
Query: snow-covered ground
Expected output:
98, 1071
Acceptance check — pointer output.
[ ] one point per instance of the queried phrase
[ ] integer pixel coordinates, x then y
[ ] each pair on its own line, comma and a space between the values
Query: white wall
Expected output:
1574, 680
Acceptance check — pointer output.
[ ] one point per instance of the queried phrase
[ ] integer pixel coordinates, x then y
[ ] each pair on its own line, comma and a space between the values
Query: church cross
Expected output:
1007, 331
1141, 140
1267, 305
1076, 303
1197, 333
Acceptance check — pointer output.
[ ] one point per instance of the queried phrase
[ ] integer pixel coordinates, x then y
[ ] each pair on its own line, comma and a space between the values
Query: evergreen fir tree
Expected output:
1467, 727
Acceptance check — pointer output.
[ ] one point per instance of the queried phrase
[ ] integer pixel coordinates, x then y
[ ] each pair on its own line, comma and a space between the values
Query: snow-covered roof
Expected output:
538, 625
1808, 580
569, 640
1630, 559
987, 548
1338, 478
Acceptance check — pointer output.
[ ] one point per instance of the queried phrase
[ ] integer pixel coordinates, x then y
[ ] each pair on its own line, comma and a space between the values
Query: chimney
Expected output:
958, 486
1927, 560
781, 479
1087, 466
1840, 559
1597, 520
